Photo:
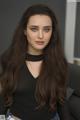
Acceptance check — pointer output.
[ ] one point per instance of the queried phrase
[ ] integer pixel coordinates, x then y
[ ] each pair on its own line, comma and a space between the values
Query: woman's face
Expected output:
38, 33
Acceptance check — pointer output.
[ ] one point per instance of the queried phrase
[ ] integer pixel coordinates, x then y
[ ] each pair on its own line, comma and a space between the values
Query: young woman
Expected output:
34, 70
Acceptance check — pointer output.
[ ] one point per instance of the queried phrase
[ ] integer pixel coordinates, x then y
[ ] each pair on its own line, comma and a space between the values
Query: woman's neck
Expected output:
34, 52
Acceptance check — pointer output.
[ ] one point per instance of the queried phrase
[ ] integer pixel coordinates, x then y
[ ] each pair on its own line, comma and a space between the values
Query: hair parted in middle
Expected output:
51, 84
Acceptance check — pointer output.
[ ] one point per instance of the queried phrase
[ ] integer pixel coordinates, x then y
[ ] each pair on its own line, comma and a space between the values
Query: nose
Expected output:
40, 34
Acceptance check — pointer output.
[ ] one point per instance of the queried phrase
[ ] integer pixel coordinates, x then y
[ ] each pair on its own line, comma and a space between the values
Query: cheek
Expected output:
28, 35
31, 35
48, 36
31, 38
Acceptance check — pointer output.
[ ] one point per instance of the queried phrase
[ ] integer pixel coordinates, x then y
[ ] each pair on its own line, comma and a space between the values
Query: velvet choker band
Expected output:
31, 57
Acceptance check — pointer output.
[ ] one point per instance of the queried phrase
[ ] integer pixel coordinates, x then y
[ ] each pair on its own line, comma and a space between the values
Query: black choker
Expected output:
31, 57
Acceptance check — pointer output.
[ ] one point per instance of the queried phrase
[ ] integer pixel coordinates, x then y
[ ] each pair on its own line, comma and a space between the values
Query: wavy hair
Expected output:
51, 85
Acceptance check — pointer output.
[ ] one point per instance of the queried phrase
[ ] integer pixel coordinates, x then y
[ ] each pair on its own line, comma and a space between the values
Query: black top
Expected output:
24, 102
24, 105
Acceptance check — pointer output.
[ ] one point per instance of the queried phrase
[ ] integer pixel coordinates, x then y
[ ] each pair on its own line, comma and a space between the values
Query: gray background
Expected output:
12, 10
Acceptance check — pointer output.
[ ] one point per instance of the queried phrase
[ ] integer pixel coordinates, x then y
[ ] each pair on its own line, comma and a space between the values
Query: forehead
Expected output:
42, 20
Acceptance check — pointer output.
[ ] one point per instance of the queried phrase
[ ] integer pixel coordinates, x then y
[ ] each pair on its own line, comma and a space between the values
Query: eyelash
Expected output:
35, 29
47, 30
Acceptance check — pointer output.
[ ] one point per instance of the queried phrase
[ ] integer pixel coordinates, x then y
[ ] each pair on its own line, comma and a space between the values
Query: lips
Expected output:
39, 42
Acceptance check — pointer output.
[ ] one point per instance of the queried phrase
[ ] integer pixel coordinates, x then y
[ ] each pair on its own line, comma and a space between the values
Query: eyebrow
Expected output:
48, 26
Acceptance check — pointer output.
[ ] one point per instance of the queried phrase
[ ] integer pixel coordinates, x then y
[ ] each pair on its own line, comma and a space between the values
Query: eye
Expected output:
34, 29
47, 29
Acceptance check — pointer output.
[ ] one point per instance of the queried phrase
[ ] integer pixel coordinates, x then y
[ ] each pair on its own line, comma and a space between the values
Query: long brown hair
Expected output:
51, 85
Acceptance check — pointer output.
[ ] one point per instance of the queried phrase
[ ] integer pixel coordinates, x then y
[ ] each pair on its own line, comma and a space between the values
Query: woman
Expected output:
34, 70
